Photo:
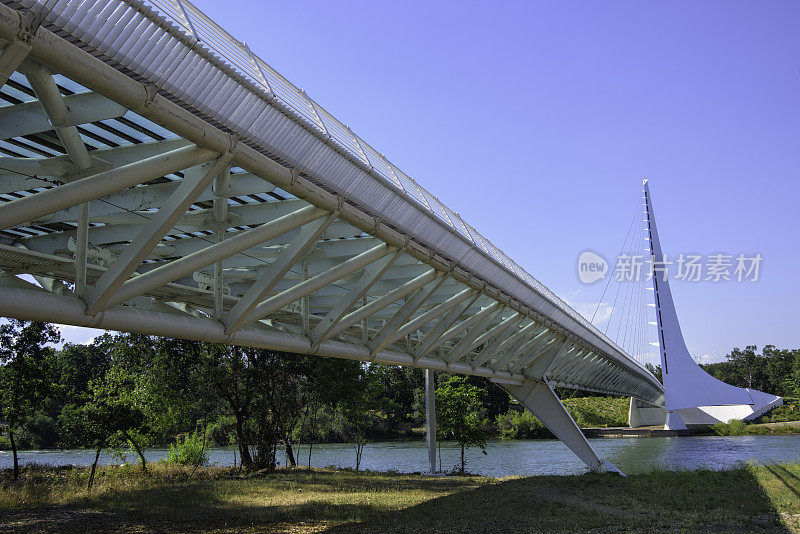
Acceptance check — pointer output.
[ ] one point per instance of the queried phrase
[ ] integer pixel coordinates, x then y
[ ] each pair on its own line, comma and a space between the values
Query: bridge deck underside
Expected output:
123, 209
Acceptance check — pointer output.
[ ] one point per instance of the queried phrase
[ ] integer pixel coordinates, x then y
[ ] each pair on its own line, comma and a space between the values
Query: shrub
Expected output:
785, 429
790, 411
734, 427
191, 450
520, 425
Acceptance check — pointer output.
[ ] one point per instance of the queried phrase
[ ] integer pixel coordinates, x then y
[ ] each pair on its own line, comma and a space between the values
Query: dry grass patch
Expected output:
172, 499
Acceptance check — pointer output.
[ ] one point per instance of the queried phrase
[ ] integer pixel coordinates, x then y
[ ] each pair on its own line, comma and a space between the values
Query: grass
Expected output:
748, 498
595, 412
789, 411
740, 428
587, 412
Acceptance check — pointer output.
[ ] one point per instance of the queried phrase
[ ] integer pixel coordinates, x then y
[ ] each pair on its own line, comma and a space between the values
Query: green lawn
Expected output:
596, 412
750, 498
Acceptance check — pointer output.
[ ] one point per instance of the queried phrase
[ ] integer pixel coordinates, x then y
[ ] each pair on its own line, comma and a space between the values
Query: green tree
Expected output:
359, 411
459, 414
73, 370
226, 378
328, 381
655, 370
791, 381
358, 420
112, 416
24, 366
185, 384
393, 390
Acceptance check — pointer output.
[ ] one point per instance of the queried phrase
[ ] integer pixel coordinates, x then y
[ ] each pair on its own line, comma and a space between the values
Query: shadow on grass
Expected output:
179, 509
691, 501
276, 502
296, 501
788, 479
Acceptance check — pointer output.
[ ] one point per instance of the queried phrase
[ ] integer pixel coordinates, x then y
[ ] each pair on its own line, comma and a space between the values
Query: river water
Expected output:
502, 458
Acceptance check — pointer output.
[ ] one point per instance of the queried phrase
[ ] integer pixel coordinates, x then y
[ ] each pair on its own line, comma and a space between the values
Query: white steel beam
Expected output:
428, 316
384, 301
434, 334
38, 305
590, 361
221, 186
11, 58
535, 351
587, 359
493, 336
430, 419
57, 112
29, 118
464, 345
46, 90
140, 198
381, 339
203, 258
19, 174
305, 240
537, 368
357, 291
568, 369
540, 398
151, 234
563, 351
32, 207
314, 283
484, 314
457, 327
126, 228
520, 347
499, 345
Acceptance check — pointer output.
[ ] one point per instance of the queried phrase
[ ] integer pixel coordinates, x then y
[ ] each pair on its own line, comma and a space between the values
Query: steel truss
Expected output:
124, 208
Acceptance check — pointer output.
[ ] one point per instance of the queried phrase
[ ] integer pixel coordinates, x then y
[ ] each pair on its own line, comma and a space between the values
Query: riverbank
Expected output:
734, 428
172, 499
502, 458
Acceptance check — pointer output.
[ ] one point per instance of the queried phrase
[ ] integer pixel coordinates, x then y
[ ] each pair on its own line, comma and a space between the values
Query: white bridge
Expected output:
158, 177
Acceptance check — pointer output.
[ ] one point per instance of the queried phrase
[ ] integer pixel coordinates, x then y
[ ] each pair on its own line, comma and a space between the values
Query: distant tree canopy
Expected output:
775, 371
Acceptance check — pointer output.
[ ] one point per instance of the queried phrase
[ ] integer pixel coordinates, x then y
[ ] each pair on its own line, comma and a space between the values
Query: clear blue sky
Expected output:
536, 121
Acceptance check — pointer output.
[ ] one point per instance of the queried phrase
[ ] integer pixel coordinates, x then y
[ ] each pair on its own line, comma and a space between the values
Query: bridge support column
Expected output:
540, 398
430, 418
674, 421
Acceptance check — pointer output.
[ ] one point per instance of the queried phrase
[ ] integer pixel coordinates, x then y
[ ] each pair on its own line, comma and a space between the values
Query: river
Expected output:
502, 458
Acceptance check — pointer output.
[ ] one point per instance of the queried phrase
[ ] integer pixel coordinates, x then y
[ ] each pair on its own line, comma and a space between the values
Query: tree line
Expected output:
775, 371
128, 392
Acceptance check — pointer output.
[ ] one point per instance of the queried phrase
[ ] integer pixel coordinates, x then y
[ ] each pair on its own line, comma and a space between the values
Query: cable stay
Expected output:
623, 310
